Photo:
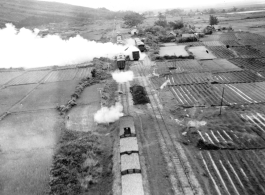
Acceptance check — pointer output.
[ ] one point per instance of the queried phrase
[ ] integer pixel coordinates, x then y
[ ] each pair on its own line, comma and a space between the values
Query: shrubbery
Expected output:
76, 165
167, 57
187, 39
176, 24
167, 39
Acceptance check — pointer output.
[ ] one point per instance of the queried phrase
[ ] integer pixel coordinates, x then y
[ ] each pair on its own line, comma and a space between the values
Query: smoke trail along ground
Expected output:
122, 77
107, 115
25, 48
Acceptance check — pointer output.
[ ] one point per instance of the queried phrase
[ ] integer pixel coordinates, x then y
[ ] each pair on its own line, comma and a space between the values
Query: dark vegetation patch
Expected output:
81, 164
139, 95
167, 57
204, 145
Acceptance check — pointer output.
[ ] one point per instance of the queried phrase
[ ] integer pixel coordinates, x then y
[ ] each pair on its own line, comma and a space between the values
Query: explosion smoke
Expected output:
122, 77
107, 115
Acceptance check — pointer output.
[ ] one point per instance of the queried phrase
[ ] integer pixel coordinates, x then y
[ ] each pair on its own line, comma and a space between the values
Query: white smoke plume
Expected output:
122, 77
107, 115
25, 48
130, 41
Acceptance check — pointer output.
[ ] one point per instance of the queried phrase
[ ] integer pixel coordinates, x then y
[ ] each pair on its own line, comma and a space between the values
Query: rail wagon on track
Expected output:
121, 61
140, 44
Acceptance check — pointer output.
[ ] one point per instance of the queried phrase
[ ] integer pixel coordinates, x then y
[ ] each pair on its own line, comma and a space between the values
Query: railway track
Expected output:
181, 175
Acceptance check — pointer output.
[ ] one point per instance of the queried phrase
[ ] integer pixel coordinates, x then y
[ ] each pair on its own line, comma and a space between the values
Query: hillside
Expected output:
32, 12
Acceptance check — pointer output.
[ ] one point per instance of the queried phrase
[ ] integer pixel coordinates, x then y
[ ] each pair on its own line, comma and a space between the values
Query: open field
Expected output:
81, 118
49, 95
7, 76
13, 94
27, 141
29, 77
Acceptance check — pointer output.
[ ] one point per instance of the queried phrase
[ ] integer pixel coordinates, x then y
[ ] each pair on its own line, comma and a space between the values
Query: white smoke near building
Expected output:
25, 48
107, 115
122, 77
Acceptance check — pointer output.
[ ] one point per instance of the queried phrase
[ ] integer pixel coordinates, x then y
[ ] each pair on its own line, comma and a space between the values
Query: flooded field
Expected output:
178, 50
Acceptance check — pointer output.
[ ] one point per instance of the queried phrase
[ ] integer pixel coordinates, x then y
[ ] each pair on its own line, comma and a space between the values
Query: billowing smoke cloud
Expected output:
25, 48
130, 41
122, 77
107, 115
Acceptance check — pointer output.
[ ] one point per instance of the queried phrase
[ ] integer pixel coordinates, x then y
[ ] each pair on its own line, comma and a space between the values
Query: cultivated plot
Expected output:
7, 76
11, 95
29, 77
83, 73
230, 42
247, 52
230, 130
192, 44
178, 66
218, 65
242, 93
247, 38
213, 43
47, 95
222, 52
236, 77
249, 63
195, 95
201, 53
27, 141
61, 75
234, 172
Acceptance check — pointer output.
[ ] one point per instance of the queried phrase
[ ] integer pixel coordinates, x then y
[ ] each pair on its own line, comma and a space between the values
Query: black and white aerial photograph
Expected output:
133, 97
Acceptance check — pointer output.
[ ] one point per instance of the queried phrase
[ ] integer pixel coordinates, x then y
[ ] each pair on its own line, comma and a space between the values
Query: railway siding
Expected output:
182, 176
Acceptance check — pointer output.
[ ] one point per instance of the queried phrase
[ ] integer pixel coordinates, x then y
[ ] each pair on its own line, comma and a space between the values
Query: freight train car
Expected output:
121, 61
140, 44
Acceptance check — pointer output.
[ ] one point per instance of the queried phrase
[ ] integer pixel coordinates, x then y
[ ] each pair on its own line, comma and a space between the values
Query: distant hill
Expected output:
32, 12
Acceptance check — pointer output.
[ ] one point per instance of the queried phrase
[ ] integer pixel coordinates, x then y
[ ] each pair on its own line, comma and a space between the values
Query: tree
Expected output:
133, 19
176, 24
162, 20
211, 11
213, 20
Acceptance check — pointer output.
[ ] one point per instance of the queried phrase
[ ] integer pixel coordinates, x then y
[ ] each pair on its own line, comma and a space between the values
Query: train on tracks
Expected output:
140, 44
